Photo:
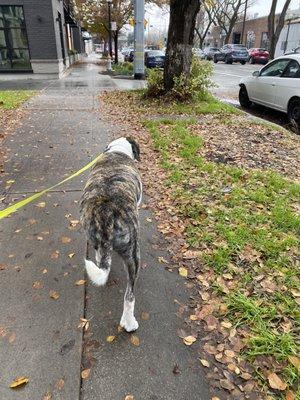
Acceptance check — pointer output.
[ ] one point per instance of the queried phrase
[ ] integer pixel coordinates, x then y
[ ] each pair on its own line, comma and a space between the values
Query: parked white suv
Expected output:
276, 85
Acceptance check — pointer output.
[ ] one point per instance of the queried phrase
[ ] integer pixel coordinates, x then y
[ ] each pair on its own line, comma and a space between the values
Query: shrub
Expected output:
155, 83
185, 87
197, 84
125, 68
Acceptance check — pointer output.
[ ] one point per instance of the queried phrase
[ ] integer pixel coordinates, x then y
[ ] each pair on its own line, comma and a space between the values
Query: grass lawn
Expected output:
232, 184
10, 99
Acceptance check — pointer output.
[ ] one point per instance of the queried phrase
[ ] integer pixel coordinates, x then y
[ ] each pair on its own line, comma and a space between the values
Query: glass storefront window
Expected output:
14, 52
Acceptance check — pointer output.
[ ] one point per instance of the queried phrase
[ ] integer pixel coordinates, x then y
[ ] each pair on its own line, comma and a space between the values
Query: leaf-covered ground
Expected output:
225, 194
10, 114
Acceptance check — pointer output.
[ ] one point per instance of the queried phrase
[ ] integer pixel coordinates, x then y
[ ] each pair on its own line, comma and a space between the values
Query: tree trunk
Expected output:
274, 33
116, 36
183, 15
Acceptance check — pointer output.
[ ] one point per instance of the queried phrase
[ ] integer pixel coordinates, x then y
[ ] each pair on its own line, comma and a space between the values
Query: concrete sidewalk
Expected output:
42, 249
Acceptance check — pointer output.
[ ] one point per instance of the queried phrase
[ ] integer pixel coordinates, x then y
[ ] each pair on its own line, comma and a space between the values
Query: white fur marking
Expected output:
120, 145
128, 321
97, 275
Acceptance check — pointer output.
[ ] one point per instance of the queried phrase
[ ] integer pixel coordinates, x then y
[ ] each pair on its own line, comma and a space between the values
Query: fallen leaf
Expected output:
55, 254
84, 323
226, 324
230, 353
19, 382
163, 260
189, 340
110, 338
74, 222
226, 384
85, 373
10, 181
65, 239
129, 397
193, 317
183, 272
47, 396
53, 294
41, 204
135, 340
275, 382
190, 254
295, 361
71, 255
45, 271
205, 363
60, 384
37, 285
145, 316
12, 337
80, 282
290, 395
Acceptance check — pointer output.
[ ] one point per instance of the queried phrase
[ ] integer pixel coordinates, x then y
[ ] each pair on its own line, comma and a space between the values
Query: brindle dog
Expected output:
109, 215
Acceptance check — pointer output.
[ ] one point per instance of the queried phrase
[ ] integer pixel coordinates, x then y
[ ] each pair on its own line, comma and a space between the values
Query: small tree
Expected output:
274, 31
183, 15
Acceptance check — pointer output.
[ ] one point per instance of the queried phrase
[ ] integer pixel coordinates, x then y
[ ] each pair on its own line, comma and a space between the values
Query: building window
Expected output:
14, 52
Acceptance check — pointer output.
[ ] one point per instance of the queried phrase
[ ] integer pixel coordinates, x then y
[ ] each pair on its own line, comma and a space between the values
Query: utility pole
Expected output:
139, 39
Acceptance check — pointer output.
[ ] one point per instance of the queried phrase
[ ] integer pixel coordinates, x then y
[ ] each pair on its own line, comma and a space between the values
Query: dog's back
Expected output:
109, 203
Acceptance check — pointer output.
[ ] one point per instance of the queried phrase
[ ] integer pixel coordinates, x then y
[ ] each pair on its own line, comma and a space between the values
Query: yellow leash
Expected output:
11, 209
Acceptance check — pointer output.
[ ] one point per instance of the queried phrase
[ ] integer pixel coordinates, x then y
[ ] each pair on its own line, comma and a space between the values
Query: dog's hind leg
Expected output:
132, 262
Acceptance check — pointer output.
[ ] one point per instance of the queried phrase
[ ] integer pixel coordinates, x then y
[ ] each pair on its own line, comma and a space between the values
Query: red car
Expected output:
258, 55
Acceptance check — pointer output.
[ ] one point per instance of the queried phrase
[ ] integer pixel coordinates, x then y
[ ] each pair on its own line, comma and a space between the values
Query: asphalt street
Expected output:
42, 290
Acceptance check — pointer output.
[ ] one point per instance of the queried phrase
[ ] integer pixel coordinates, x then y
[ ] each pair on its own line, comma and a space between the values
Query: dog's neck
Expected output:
120, 145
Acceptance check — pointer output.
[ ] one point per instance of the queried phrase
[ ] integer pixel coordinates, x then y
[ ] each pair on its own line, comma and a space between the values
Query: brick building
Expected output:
38, 36
256, 33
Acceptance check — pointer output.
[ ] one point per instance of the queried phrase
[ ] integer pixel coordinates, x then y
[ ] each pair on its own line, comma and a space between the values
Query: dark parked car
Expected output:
129, 56
154, 58
232, 53
258, 55
209, 52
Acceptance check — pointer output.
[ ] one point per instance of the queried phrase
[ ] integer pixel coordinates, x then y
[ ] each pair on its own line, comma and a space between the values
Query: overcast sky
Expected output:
159, 19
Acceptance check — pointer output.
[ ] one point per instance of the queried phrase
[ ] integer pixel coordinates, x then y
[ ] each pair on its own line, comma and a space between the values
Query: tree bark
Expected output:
183, 15
274, 33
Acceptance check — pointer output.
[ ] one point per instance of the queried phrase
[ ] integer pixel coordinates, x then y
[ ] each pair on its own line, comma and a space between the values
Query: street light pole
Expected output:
139, 39
109, 28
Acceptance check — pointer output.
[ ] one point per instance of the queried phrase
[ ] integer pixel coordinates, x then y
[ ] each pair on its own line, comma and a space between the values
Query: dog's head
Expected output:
135, 148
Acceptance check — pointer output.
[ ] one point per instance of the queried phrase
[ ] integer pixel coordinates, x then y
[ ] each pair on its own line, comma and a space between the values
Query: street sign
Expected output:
113, 26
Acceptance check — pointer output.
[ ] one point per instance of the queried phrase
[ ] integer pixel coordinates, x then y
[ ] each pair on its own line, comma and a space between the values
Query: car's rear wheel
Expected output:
244, 98
294, 114
228, 60
243, 62
251, 60
215, 60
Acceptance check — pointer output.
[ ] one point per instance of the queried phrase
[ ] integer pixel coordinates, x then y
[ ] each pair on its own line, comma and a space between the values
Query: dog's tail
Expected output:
97, 275
101, 235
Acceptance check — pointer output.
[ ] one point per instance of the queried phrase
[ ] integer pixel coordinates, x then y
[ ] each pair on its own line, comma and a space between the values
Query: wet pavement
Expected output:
42, 251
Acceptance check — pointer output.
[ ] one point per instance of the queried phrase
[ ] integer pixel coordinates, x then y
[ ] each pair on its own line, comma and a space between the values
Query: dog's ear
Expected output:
135, 148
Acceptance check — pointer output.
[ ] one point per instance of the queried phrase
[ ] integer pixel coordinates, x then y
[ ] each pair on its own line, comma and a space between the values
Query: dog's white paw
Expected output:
129, 324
